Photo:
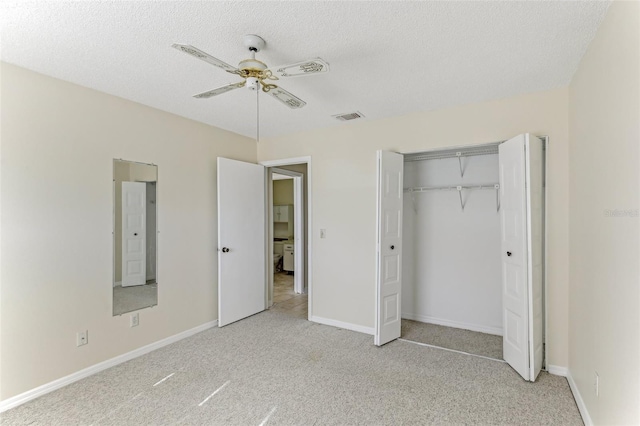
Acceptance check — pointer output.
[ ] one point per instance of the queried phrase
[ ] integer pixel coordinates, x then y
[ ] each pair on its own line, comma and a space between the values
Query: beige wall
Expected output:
142, 172
344, 194
58, 145
282, 192
604, 325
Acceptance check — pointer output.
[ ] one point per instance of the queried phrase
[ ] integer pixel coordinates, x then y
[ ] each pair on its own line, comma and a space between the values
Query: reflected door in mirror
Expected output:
134, 261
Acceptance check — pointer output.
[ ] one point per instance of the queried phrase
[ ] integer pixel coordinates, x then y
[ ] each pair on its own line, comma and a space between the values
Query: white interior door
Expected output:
520, 161
134, 214
389, 252
535, 215
241, 240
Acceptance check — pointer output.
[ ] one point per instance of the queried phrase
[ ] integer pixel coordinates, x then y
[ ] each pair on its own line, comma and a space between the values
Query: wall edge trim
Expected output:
344, 325
557, 370
582, 407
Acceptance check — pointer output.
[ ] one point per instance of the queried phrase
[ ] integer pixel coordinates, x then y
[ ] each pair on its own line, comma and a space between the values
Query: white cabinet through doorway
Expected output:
288, 263
282, 213
283, 221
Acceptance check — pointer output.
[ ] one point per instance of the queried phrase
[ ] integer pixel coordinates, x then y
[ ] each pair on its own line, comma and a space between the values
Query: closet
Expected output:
460, 243
451, 239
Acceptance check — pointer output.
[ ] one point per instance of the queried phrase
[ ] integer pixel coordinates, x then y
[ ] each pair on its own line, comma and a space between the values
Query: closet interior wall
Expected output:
451, 256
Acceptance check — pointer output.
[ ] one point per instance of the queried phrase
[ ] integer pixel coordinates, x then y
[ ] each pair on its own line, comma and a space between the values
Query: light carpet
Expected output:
457, 339
274, 369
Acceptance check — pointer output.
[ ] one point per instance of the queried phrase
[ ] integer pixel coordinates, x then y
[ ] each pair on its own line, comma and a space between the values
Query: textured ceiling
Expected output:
387, 58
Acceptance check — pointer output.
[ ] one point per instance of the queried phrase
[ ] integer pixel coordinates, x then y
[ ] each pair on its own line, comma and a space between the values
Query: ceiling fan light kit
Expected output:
256, 74
253, 83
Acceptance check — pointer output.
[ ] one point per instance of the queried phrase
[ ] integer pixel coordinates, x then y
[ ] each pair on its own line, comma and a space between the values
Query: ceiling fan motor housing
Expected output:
252, 65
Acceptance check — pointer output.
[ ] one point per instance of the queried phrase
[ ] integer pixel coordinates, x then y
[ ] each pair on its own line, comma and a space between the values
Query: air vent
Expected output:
348, 116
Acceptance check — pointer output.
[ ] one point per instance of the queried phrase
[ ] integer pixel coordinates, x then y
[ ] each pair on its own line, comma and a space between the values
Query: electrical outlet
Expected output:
134, 320
323, 233
596, 384
82, 338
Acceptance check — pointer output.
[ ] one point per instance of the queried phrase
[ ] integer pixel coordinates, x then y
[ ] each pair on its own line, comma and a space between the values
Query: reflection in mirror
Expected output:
135, 284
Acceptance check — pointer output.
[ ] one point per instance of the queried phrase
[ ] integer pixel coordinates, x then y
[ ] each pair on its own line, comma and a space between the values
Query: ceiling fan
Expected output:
256, 74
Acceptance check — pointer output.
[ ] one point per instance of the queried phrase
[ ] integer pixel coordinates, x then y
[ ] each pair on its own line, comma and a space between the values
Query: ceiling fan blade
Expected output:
308, 67
219, 90
194, 51
287, 98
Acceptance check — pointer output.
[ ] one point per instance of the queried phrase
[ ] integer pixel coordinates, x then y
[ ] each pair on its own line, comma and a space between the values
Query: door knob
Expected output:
225, 250
392, 247
135, 234
508, 253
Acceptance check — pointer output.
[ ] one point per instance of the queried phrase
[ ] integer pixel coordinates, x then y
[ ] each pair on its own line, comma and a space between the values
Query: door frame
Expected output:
298, 223
545, 148
155, 230
308, 243
545, 153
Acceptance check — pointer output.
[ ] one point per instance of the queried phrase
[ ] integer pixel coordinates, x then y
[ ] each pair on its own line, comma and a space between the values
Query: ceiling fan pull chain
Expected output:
257, 116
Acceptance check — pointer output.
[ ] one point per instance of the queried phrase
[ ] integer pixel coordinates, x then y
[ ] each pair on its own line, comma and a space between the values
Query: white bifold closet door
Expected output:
389, 247
520, 162
241, 240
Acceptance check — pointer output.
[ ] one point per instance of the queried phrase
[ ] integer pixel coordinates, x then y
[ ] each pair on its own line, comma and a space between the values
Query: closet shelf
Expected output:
487, 149
452, 188
459, 188
459, 153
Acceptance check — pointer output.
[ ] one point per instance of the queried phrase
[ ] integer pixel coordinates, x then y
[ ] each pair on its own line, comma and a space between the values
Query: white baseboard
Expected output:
74, 377
344, 325
556, 370
586, 418
456, 324
564, 371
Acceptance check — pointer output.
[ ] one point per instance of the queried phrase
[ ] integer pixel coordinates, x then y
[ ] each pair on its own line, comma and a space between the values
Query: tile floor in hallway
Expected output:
285, 299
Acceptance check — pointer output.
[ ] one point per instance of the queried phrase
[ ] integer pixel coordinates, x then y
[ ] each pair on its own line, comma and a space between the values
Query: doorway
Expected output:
287, 198
289, 236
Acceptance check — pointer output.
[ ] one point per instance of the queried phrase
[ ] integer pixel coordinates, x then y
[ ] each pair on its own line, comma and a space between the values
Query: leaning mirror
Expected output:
135, 284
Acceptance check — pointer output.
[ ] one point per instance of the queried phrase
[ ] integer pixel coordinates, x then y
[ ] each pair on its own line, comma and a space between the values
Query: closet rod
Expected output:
452, 188
459, 188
